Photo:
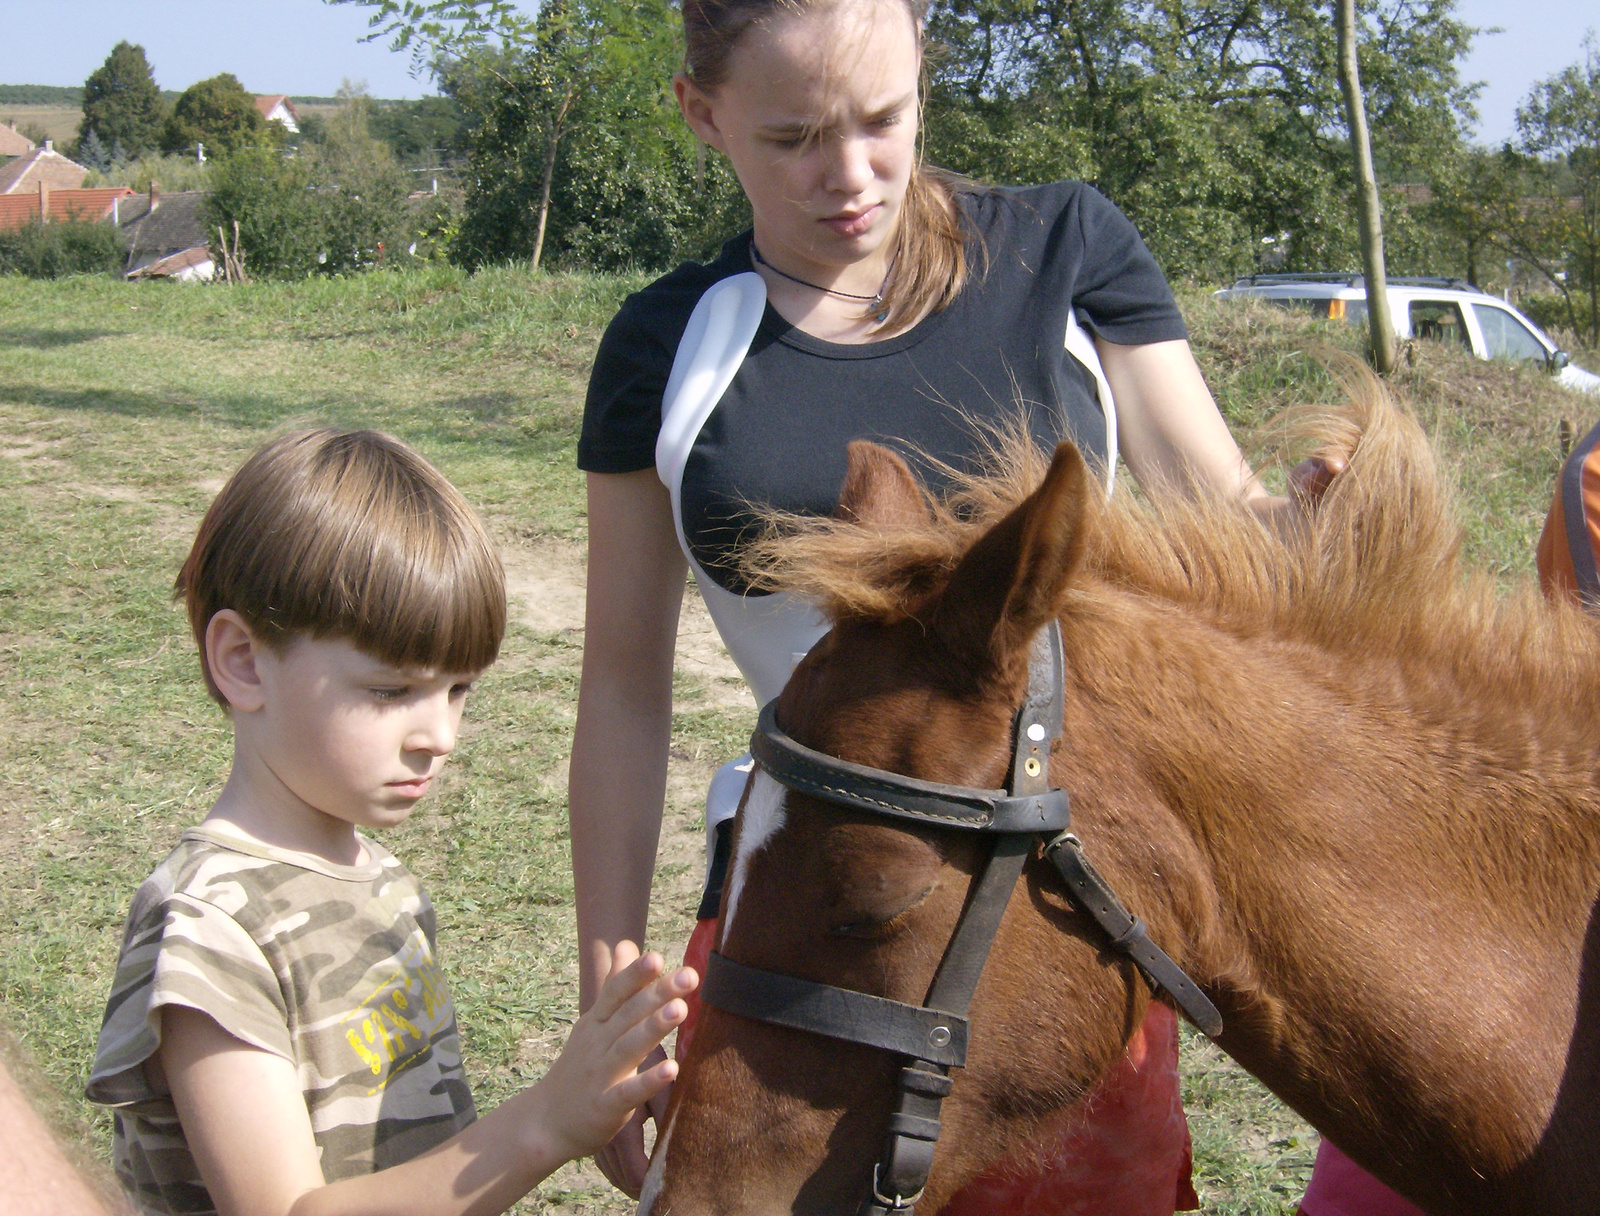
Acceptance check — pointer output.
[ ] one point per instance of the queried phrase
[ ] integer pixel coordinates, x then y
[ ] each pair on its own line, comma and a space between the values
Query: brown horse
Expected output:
1353, 793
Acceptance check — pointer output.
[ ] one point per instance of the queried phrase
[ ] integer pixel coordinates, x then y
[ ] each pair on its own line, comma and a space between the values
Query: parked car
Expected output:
1428, 309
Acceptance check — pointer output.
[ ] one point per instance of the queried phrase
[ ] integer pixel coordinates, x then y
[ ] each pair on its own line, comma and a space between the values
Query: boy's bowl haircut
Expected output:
348, 534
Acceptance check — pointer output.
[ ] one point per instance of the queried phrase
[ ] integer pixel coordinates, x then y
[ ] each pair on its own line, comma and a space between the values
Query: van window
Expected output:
1352, 311
1505, 337
1439, 321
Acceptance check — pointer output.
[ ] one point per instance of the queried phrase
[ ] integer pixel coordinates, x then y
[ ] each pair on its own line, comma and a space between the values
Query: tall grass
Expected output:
172, 172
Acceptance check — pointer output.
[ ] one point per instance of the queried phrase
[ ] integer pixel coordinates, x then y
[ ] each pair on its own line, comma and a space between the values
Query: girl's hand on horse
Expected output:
597, 1083
1310, 479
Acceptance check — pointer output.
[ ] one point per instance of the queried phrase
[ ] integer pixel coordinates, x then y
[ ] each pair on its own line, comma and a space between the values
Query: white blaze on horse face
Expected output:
763, 817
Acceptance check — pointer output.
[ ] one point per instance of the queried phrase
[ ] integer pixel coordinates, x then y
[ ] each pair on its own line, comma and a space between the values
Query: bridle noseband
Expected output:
933, 1036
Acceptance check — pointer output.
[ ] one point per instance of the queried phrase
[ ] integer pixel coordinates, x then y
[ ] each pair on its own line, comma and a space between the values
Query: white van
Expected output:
1428, 309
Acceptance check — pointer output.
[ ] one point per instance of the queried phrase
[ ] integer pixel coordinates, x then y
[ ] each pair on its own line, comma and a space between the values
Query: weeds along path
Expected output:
121, 410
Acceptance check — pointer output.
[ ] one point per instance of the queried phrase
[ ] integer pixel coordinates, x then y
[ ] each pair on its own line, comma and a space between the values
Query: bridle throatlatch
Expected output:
932, 1037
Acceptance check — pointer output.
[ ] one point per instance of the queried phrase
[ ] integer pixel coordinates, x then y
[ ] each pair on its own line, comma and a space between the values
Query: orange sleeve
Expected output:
1554, 563
1569, 547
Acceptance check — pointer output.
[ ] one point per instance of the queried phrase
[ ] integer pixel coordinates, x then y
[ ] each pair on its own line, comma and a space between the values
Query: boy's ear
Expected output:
231, 652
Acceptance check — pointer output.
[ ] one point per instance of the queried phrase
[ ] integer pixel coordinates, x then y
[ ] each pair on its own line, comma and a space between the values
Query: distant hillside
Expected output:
40, 95
72, 95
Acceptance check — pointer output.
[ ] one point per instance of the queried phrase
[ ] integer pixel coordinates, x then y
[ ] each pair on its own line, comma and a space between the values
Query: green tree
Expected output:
428, 131
1477, 203
1216, 124
1369, 203
92, 154
1561, 120
121, 103
359, 189
219, 114
574, 147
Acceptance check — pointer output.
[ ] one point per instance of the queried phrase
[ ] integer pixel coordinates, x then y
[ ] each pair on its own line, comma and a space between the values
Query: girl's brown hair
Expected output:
351, 535
930, 244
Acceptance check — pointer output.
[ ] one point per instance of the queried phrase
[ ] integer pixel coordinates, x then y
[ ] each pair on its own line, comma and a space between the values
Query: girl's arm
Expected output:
1168, 427
1170, 431
245, 1118
618, 775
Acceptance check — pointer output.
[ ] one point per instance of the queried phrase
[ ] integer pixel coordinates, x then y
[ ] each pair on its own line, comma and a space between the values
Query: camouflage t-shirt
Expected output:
331, 967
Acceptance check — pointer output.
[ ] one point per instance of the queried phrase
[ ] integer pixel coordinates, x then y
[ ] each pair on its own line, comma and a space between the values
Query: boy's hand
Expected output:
595, 1084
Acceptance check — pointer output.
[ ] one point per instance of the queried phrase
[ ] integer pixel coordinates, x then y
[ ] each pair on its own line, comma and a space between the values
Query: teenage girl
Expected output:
873, 298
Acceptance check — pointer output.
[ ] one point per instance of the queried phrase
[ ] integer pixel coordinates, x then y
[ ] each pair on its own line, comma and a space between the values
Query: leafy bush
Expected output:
1551, 311
53, 251
334, 207
269, 196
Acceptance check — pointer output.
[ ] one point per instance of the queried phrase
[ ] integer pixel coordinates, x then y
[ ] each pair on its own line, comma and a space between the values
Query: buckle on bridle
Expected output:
896, 1203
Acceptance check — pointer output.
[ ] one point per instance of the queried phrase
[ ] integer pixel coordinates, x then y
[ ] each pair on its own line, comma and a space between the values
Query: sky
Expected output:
307, 47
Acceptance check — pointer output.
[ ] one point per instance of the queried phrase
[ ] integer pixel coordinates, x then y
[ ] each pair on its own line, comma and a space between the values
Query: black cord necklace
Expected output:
871, 301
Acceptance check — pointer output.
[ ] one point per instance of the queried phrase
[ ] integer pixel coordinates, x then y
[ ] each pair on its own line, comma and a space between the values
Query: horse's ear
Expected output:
879, 490
1011, 582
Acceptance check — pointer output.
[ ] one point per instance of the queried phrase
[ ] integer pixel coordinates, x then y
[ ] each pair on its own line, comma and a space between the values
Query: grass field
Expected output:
59, 123
121, 409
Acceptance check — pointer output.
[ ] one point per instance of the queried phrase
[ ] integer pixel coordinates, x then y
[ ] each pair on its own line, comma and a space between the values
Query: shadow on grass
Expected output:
480, 423
49, 339
488, 407
244, 410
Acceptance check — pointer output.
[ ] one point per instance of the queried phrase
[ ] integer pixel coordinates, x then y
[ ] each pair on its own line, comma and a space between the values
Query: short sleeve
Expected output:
183, 951
1120, 291
622, 411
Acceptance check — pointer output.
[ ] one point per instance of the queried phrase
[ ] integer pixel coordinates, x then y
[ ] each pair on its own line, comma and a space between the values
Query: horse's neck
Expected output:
1390, 906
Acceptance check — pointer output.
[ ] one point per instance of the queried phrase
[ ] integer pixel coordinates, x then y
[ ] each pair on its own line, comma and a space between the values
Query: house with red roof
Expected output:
43, 166
276, 107
104, 203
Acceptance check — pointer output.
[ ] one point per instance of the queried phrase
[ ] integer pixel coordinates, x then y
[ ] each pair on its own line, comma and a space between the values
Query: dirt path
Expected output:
545, 581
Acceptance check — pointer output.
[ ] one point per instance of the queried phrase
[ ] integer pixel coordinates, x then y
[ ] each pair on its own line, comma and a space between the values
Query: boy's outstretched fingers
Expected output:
597, 1083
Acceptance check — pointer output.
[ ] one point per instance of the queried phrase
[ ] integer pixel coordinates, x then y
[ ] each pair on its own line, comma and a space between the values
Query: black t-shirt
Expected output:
778, 435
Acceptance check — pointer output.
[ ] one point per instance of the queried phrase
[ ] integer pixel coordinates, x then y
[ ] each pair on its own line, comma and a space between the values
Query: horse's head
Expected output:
767, 1119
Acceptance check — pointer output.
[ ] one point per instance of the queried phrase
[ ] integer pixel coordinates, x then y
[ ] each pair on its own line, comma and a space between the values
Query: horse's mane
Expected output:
1377, 572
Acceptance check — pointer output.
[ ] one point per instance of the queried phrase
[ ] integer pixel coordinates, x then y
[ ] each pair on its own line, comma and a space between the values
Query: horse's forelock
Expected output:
885, 569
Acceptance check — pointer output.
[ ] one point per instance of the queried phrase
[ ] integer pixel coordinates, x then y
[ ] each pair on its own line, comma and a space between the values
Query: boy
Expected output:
279, 1038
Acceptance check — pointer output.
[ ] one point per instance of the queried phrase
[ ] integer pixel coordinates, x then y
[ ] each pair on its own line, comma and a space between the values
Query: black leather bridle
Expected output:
933, 1036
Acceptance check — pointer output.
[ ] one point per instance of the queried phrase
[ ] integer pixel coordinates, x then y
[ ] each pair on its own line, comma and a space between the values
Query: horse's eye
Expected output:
878, 923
